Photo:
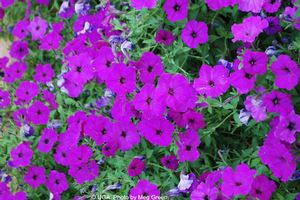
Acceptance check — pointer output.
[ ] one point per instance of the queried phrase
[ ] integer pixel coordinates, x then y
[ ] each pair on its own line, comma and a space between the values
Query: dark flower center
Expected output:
78, 69
176, 7
108, 63
275, 101
287, 70
149, 100
20, 155
252, 61
122, 80
44, 74
46, 141
272, 1
211, 83
171, 91
123, 134
133, 167
145, 194
39, 112
64, 155
103, 131
150, 68
206, 197
248, 76
168, 162
106, 148
57, 182
257, 191
191, 121
194, 34
291, 126
238, 183
188, 147
158, 132
37, 28
20, 50
34, 177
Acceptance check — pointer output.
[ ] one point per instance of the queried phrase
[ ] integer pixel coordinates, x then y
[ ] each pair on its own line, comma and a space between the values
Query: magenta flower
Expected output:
38, 28
170, 162
48, 138
35, 176
286, 71
262, 187
80, 155
237, 182
136, 167
126, 134
51, 41
193, 120
19, 49
27, 91
43, 73
7, 3
20, 117
188, 144
57, 182
21, 155
20, 30
145, 102
274, 26
144, 190
271, 6
138, 4
3, 62
286, 127
254, 105
204, 191
157, 130
277, 156
103, 63
110, 148
14, 72
212, 81
255, 62
123, 79
219, 4
84, 172
176, 92
249, 29
50, 98
254, 6
164, 37
278, 102
122, 110
194, 33
61, 155
176, 9
4, 99
38, 113
150, 67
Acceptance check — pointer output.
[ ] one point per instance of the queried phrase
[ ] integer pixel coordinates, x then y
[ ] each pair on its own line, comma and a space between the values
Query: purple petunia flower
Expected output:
255, 62
212, 81
254, 105
27, 91
150, 67
193, 120
262, 187
271, 6
170, 162
14, 72
19, 49
274, 26
144, 190
157, 130
35, 176
204, 191
38, 113
66, 10
103, 63
136, 167
84, 172
176, 9
126, 134
4, 99
138, 4
188, 144
164, 37
254, 6
20, 30
50, 99
21, 155
48, 138
20, 116
38, 28
194, 33
237, 182
7, 3
286, 71
43, 73
57, 182
80, 155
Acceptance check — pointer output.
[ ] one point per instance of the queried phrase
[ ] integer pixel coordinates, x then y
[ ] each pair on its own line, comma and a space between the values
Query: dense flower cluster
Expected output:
134, 102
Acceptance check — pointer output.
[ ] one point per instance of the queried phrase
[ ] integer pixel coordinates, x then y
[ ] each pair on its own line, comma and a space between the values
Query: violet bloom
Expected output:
157, 130
176, 9
212, 81
57, 182
50, 98
278, 102
188, 144
35, 176
144, 190
43, 73
20, 117
287, 127
274, 26
278, 157
21, 155
3, 62
170, 162
14, 72
254, 105
194, 120
237, 182
7, 3
51, 41
38, 113
204, 192
249, 29
136, 167
126, 134
194, 33
164, 37
286, 71
219, 4
27, 91
66, 10
176, 92
255, 62
262, 187
145, 102
123, 110
271, 6
254, 6
123, 79
84, 172
20, 30
242, 81
48, 138
138, 4
4, 99
38, 28
150, 67
103, 63
80, 155
19, 50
